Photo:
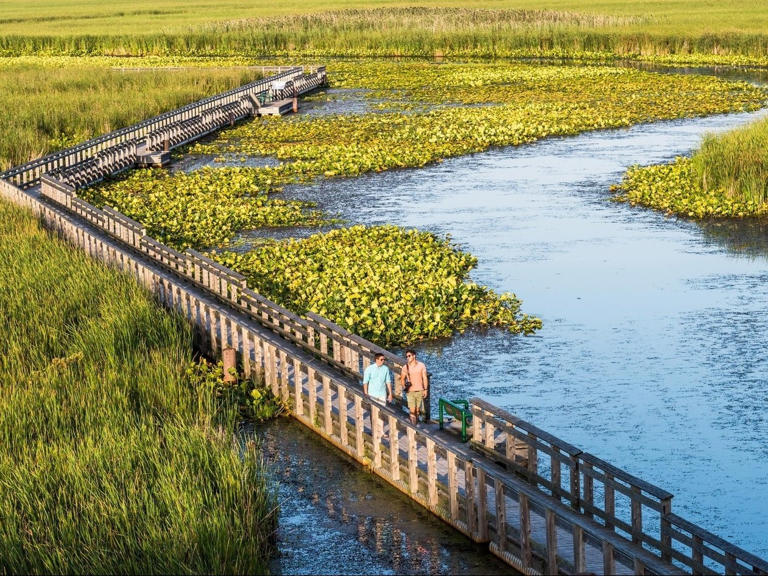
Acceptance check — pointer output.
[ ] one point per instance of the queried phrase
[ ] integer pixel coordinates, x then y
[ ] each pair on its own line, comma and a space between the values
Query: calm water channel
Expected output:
652, 355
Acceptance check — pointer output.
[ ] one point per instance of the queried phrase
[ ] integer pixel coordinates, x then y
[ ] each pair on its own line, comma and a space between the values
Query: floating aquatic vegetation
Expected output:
676, 188
387, 284
203, 208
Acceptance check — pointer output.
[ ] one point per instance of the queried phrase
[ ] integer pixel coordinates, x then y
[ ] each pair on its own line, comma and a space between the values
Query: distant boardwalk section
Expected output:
539, 503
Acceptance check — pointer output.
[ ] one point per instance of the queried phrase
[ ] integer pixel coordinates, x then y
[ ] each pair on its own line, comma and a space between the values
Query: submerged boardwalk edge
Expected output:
541, 504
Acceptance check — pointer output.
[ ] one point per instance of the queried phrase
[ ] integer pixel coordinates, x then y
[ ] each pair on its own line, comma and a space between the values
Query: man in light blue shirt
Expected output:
377, 381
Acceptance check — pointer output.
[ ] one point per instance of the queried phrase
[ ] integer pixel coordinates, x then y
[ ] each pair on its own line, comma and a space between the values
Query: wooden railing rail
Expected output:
543, 459
702, 552
582, 480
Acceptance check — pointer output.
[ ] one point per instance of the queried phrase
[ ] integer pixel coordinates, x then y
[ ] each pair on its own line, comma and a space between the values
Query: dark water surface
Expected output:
653, 350
337, 519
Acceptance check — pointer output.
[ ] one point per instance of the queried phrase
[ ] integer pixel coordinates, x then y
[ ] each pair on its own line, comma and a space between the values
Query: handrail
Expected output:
706, 550
519, 446
137, 130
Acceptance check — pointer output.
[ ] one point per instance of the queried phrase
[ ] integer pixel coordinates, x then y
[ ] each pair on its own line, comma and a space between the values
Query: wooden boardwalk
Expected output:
541, 504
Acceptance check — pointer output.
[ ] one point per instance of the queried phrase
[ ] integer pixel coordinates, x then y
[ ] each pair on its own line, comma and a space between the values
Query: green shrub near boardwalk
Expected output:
204, 208
113, 459
389, 285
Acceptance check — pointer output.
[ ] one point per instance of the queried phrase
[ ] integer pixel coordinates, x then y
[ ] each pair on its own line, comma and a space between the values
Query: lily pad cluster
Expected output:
387, 284
677, 188
204, 208
464, 108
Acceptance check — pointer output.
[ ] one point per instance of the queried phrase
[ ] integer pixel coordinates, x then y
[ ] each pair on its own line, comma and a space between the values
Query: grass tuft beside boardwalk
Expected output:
117, 453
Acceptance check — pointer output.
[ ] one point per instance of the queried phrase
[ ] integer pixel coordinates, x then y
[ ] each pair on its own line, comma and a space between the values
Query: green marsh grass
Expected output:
680, 29
117, 456
736, 162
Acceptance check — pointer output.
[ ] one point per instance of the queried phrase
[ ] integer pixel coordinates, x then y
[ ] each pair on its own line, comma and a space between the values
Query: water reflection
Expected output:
337, 519
652, 354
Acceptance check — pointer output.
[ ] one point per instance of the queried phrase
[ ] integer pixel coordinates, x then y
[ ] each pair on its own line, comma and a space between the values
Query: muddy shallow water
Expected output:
652, 355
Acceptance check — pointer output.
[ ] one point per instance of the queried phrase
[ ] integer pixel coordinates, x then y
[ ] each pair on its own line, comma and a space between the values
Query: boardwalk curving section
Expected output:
541, 504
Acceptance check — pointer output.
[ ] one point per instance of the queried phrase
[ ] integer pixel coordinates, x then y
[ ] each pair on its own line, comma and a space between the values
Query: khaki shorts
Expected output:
415, 400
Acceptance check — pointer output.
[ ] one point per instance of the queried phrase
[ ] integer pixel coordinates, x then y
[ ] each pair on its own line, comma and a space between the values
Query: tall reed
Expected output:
421, 31
736, 162
117, 457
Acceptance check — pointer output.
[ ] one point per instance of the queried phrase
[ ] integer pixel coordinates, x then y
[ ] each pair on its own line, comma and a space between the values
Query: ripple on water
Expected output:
337, 519
652, 352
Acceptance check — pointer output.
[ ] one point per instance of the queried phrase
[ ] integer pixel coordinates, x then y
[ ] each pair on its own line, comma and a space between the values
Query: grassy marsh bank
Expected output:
727, 176
117, 445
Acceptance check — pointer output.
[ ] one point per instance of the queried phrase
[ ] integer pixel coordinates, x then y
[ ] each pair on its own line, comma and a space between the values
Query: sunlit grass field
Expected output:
65, 17
683, 29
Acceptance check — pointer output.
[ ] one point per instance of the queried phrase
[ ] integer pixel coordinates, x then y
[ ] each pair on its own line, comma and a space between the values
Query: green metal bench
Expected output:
458, 409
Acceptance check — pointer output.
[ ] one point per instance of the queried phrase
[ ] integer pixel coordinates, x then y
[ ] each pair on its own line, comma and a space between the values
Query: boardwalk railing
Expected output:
317, 335
29, 174
592, 486
540, 503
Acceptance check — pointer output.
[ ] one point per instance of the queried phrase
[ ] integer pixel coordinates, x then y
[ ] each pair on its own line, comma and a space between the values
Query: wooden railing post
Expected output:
327, 407
666, 531
413, 454
343, 417
359, 427
482, 506
453, 486
469, 490
284, 376
609, 561
298, 388
477, 425
394, 448
312, 388
551, 541
637, 515
376, 433
533, 458
526, 556
579, 551
501, 515
431, 474
490, 433
697, 554
575, 483
229, 364
555, 473
610, 503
